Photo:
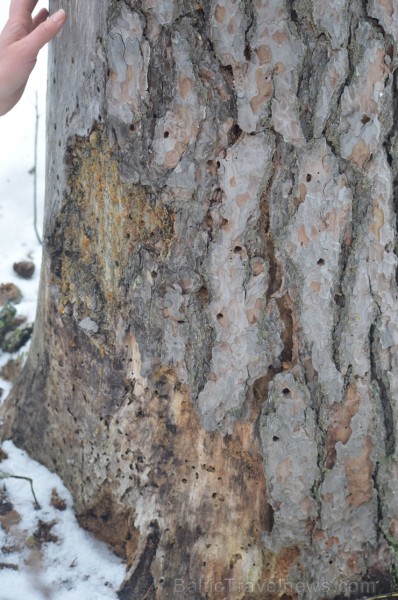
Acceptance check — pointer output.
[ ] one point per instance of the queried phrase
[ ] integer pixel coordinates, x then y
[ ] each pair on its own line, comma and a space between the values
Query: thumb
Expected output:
43, 33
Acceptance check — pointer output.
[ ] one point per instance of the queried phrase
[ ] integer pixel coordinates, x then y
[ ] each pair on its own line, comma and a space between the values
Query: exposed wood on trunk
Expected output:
214, 370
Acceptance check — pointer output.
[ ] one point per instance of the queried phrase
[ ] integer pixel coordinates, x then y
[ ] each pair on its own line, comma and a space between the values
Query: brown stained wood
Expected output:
214, 367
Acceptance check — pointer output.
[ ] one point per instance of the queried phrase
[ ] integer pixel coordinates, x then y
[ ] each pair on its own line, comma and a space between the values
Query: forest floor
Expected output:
44, 554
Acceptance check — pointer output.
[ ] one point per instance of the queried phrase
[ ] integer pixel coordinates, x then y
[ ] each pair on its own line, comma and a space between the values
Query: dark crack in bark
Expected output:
384, 394
140, 584
391, 148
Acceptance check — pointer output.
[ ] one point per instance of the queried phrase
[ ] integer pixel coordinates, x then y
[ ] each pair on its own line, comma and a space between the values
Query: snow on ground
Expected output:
57, 561
55, 558
17, 139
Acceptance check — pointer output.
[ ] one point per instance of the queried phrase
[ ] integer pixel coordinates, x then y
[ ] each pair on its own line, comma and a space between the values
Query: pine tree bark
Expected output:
214, 365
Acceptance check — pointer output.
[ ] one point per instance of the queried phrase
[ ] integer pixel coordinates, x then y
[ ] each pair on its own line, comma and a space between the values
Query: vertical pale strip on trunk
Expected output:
214, 368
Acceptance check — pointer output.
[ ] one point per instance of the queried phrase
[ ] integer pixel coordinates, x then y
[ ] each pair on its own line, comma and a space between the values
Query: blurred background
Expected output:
17, 141
18, 240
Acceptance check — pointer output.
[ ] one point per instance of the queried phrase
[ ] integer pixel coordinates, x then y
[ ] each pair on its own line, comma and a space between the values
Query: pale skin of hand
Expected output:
20, 42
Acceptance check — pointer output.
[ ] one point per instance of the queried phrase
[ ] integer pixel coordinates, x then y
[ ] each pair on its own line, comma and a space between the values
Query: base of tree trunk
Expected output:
214, 368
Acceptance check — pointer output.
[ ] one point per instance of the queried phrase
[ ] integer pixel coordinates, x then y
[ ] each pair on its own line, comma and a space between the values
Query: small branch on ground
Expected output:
4, 475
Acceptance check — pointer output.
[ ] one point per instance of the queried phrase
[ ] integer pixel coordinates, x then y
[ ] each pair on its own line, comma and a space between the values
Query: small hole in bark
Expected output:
218, 164
219, 316
365, 119
166, 134
275, 438
286, 391
339, 300
217, 196
309, 177
233, 134
184, 480
214, 495
248, 52
132, 127
238, 249
320, 262
128, 236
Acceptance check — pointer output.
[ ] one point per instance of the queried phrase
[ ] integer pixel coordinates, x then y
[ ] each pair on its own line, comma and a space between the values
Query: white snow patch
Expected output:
75, 567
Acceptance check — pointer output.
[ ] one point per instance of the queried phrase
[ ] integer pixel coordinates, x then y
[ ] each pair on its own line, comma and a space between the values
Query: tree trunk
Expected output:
214, 370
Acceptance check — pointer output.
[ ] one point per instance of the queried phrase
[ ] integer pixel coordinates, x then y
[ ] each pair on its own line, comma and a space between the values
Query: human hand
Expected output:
20, 41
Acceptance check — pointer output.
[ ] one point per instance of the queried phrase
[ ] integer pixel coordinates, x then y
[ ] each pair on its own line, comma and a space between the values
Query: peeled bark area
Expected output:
214, 365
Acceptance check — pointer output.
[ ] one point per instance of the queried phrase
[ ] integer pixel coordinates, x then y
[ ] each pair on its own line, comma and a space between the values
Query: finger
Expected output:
18, 7
43, 33
20, 21
39, 18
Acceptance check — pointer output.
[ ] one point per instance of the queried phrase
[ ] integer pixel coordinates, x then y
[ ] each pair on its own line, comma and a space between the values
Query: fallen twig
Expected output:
4, 475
